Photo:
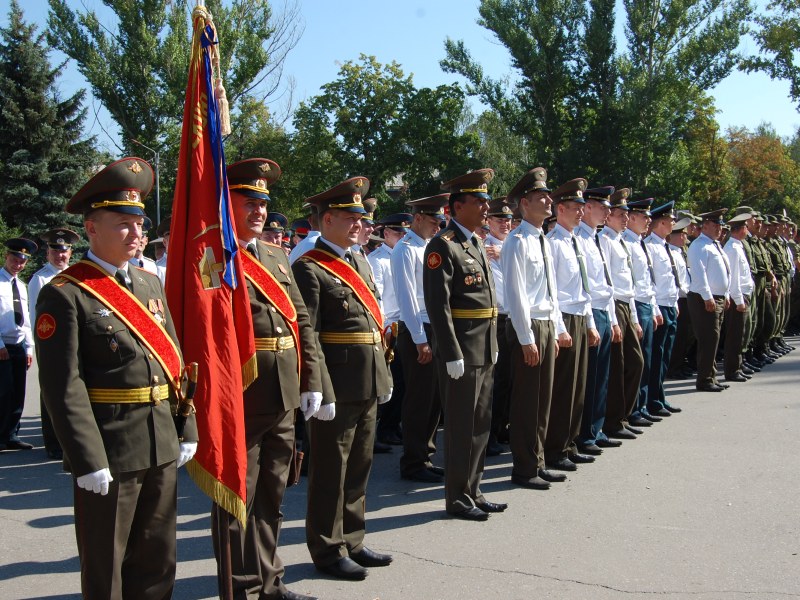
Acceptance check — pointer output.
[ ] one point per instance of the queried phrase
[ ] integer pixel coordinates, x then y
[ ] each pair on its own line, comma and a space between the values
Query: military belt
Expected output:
332, 337
275, 344
474, 313
154, 394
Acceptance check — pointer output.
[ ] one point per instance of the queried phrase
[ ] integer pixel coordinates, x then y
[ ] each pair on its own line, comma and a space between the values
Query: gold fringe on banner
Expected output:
217, 491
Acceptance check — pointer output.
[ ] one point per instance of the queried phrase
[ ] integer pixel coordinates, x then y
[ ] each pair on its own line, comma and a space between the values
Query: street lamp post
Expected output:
156, 158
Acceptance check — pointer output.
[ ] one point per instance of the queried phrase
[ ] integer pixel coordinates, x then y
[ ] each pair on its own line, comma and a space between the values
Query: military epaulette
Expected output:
447, 234
270, 244
58, 281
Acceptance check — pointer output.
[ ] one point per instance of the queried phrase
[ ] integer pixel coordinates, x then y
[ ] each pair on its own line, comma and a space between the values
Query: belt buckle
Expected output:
376, 337
155, 392
282, 343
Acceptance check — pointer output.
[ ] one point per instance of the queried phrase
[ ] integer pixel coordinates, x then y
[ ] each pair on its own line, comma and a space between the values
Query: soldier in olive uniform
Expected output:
288, 378
339, 292
462, 307
108, 357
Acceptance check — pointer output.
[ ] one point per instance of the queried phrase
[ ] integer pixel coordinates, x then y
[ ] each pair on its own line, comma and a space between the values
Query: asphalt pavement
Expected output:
703, 506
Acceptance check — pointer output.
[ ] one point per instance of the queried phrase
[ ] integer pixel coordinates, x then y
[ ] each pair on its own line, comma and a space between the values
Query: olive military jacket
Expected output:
92, 348
350, 372
457, 277
266, 395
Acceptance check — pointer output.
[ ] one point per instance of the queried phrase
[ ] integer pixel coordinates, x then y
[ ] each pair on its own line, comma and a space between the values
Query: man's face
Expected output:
15, 264
272, 237
341, 227
391, 237
113, 236
536, 207
711, 229
638, 222
366, 230
570, 214
662, 227
471, 211
59, 258
249, 215
426, 226
499, 227
678, 238
595, 213
618, 219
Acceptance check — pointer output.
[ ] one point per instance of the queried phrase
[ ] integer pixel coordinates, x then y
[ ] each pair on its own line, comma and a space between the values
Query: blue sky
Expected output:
413, 33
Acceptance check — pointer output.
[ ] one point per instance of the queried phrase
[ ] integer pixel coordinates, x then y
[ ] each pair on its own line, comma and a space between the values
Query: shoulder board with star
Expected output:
447, 234
58, 281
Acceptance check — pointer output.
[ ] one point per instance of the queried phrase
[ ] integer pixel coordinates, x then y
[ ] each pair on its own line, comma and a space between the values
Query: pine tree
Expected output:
44, 157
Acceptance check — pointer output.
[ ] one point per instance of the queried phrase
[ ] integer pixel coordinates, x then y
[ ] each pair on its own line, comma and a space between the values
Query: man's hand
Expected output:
28, 362
310, 403
326, 412
594, 337
658, 322
96, 482
493, 252
455, 368
639, 332
564, 340
616, 334
386, 397
530, 354
711, 306
741, 307
187, 453
4, 353
424, 354
727, 303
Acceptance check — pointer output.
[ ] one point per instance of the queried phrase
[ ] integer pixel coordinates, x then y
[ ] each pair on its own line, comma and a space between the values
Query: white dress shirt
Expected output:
38, 280
526, 283
600, 290
151, 266
709, 268
572, 298
683, 271
380, 261
497, 271
407, 262
662, 261
644, 290
303, 246
620, 265
10, 332
741, 278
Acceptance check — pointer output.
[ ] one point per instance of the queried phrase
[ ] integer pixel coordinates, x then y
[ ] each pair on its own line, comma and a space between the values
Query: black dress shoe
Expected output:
551, 476
609, 443
652, 418
710, 387
562, 464
746, 371
661, 412
622, 434
344, 568
491, 507
435, 469
370, 558
423, 475
724, 386
591, 450
290, 595
18, 445
640, 422
471, 514
494, 448
633, 430
578, 458
381, 448
532, 483
739, 378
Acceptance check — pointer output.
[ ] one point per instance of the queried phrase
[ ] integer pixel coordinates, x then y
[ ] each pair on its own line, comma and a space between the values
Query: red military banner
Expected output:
205, 284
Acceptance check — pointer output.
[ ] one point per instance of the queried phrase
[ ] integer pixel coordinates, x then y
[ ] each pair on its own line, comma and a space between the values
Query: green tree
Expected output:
508, 153
44, 157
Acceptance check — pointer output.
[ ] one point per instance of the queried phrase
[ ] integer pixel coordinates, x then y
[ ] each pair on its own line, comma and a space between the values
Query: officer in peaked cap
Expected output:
339, 291
288, 378
534, 180
367, 227
59, 243
421, 411
162, 231
708, 296
626, 366
16, 344
274, 227
109, 398
462, 306
499, 225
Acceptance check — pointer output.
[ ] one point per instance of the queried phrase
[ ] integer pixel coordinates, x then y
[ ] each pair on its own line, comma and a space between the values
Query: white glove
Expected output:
326, 412
494, 358
310, 403
96, 482
455, 368
187, 453
385, 398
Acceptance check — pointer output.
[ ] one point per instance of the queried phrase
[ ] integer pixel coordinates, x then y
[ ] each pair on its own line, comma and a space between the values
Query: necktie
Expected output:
672, 264
649, 262
251, 248
546, 260
122, 279
581, 264
603, 258
627, 256
19, 317
141, 263
348, 257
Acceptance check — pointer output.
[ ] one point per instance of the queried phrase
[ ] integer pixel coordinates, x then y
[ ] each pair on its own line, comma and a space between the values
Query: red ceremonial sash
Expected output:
266, 283
342, 269
93, 278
